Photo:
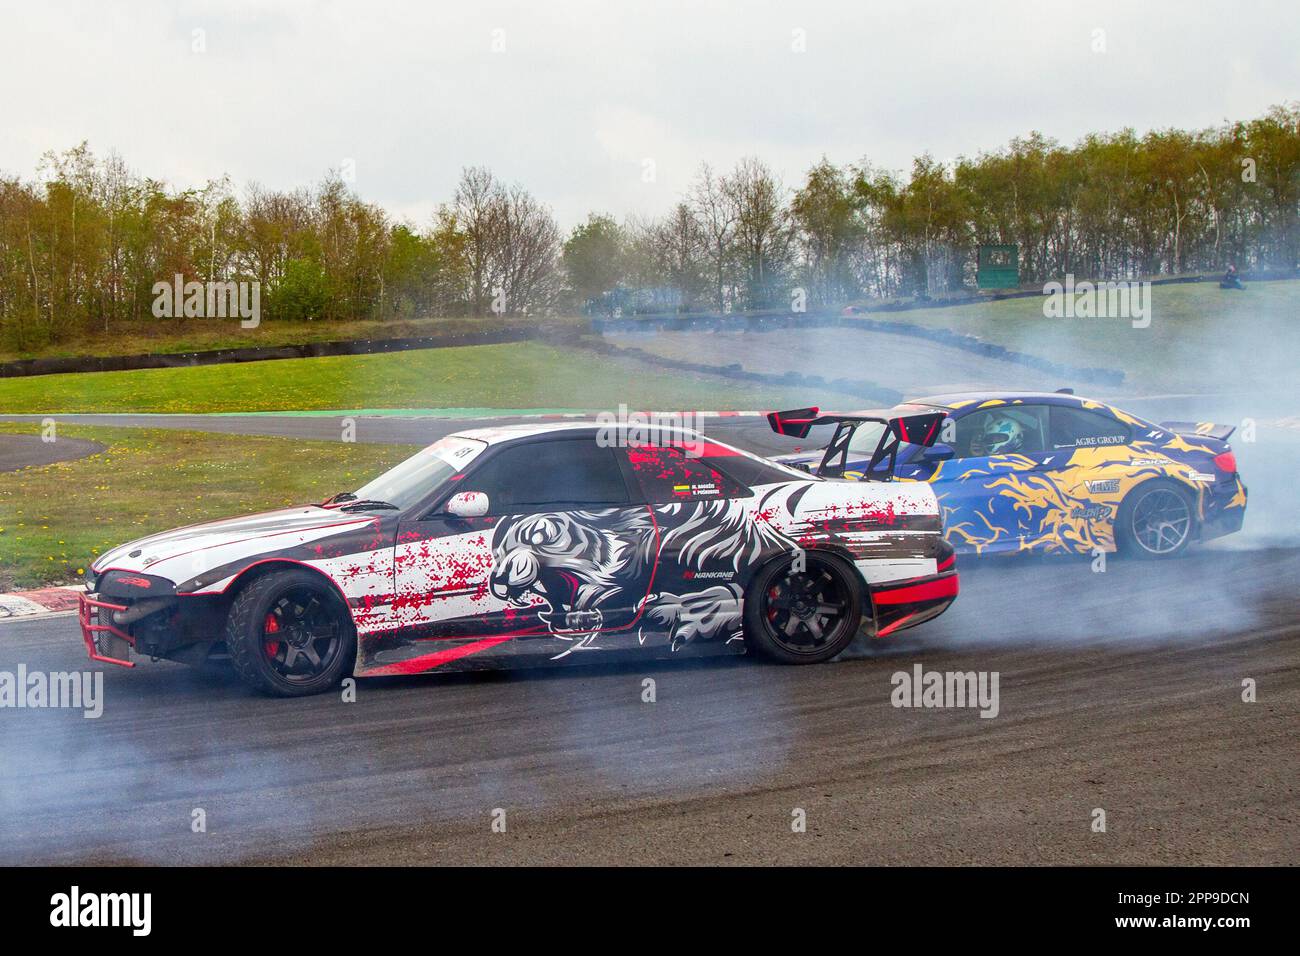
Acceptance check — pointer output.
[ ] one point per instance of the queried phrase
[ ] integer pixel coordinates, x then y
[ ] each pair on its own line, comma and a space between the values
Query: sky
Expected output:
608, 106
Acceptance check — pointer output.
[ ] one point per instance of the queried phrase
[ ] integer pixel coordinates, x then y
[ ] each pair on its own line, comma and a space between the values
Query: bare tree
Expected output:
679, 253
476, 205
715, 218
763, 231
524, 248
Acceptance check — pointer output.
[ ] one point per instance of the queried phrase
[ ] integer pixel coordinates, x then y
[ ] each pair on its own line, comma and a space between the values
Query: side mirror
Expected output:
468, 504
938, 453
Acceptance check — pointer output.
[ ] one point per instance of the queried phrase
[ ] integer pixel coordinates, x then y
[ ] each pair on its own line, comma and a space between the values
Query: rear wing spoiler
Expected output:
1199, 429
920, 429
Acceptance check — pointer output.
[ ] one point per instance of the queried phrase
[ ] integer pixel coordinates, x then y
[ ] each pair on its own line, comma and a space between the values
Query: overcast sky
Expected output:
584, 93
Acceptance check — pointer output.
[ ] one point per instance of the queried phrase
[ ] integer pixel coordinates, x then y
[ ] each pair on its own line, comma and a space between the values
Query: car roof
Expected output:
494, 434
500, 434
955, 400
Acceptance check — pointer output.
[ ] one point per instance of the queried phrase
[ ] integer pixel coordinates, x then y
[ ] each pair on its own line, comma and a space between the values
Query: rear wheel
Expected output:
1156, 520
290, 634
803, 616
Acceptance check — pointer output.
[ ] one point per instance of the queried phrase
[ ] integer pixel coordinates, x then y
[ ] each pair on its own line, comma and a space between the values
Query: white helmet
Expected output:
1002, 435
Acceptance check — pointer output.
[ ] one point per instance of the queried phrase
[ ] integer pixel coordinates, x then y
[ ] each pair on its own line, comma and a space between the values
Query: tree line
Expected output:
83, 244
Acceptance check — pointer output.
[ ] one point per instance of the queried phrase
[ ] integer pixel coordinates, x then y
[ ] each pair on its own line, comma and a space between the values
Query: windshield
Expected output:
865, 439
422, 473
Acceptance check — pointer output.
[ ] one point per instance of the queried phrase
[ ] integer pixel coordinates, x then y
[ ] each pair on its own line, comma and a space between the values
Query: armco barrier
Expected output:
119, 363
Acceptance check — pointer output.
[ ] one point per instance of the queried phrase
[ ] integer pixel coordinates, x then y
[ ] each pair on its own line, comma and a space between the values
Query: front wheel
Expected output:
1156, 520
803, 615
290, 634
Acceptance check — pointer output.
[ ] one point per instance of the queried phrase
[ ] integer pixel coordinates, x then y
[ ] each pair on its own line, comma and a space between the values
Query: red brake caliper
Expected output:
271, 626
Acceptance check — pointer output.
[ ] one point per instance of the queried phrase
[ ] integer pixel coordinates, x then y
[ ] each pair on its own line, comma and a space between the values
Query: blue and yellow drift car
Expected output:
1047, 472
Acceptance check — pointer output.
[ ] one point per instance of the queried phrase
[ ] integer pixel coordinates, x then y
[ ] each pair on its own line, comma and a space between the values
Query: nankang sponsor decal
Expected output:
1103, 486
1149, 462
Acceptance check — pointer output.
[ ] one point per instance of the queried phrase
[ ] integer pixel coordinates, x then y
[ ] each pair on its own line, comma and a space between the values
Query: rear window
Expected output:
1080, 428
751, 470
667, 474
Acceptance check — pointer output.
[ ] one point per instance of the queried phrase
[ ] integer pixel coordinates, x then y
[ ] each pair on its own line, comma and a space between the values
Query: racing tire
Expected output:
803, 617
1156, 520
290, 634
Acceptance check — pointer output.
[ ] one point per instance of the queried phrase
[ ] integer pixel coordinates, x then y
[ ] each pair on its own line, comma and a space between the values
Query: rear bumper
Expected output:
903, 604
99, 633
1226, 509
1226, 522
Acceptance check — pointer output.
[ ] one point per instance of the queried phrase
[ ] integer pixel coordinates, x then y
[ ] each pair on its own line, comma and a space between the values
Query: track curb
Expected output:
40, 602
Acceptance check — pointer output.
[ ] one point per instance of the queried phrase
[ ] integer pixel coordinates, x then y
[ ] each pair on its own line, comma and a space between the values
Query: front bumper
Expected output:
103, 638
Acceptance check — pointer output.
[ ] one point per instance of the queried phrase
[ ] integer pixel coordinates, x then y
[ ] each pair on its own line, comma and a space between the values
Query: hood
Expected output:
182, 553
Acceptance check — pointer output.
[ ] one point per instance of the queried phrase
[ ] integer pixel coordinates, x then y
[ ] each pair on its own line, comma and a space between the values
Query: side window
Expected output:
576, 473
1002, 430
1080, 428
668, 474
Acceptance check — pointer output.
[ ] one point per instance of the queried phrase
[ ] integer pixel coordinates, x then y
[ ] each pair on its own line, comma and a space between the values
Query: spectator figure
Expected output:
1230, 279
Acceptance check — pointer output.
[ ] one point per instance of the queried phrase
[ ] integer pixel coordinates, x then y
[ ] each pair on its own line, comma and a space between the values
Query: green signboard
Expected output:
999, 267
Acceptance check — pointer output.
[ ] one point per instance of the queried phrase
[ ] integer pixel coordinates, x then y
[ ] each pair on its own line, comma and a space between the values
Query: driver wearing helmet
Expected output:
1002, 435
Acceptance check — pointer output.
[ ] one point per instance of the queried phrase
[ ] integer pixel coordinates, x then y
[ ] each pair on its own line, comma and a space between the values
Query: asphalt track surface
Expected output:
29, 451
1118, 691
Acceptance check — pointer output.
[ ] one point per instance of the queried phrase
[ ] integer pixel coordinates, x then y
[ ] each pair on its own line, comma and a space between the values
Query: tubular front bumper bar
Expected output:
91, 614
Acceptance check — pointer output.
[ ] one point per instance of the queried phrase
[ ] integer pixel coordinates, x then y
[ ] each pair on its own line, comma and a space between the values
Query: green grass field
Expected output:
513, 376
1199, 333
54, 520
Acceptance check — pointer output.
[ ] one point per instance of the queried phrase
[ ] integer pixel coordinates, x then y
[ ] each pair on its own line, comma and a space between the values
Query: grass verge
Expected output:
1199, 334
514, 375
54, 520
